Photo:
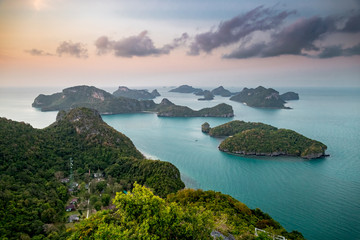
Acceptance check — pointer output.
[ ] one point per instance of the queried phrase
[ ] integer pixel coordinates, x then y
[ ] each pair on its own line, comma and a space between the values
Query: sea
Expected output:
320, 198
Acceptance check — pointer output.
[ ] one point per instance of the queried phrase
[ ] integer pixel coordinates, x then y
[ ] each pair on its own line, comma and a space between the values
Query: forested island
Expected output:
126, 92
261, 97
106, 103
247, 138
50, 178
169, 109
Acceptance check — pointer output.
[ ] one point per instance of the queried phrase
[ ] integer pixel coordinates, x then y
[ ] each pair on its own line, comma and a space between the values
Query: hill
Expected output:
221, 91
135, 94
288, 96
186, 89
236, 126
33, 161
264, 140
260, 97
168, 109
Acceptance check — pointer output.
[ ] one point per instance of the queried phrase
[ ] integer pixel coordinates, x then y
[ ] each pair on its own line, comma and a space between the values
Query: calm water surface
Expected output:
320, 198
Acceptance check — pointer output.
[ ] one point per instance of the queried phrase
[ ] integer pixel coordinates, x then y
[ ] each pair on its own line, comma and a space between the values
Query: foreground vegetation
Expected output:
264, 140
188, 214
33, 163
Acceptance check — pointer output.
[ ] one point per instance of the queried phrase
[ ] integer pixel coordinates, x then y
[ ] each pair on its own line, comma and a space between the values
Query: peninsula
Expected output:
246, 138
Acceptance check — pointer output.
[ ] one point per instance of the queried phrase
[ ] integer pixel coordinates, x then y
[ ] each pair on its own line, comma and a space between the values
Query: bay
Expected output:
320, 198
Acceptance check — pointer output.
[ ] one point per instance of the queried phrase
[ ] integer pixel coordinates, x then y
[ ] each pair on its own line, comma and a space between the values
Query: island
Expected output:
155, 93
261, 97
52, 178
106, 103
246, 138
221, 91
186, 89
207, 96
135, 94
169, 109
288, 96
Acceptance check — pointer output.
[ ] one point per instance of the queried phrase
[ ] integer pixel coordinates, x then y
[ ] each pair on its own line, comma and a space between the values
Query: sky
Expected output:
168, 43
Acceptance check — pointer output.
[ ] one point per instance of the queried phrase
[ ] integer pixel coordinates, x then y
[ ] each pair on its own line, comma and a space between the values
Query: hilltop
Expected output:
123, 91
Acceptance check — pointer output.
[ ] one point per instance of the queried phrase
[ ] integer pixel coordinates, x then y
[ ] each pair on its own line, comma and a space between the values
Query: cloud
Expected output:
293, 39
352, 24
140, 46
72, 49
237, 28
38, 52
337, 51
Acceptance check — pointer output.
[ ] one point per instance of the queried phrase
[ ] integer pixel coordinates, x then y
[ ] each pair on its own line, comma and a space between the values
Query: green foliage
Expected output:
171, 110
100, 186
105, 199
142, 215
33, 161
237, 126
273, 142
230, 215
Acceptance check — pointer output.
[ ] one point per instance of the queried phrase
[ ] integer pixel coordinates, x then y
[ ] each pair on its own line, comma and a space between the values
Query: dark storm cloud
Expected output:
293, 39
337, 51
233, 30
352, 24
72, 49
38, 52
140, 46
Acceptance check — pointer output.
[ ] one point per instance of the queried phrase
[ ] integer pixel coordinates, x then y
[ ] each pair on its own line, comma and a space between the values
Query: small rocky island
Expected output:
258, 139
261, 97
123, 91
106, 103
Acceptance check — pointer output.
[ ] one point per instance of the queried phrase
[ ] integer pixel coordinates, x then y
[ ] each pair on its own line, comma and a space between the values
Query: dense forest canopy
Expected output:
33, 161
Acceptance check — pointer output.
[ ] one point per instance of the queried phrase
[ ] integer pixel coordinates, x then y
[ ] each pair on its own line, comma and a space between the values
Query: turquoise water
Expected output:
320, 198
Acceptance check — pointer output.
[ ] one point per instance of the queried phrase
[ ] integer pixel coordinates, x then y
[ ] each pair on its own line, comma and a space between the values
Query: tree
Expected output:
105, 199
100, 186
142, 215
